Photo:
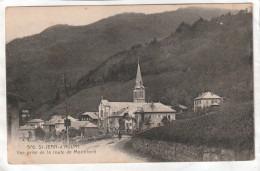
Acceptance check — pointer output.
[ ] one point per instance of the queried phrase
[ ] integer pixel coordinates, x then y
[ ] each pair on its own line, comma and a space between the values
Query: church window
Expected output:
135, 94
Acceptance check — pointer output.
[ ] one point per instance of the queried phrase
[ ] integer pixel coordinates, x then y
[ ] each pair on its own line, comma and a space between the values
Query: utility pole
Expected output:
66, 121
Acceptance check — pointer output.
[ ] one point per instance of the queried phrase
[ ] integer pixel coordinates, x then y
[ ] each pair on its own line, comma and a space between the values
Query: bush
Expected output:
74, 132
39, 133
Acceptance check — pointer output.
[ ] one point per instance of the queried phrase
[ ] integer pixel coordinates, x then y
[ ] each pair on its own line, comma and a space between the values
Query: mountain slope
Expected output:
211, 55
35, 64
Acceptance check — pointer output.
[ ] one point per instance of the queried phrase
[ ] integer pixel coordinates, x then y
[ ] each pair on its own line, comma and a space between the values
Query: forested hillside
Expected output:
35, 64
208, 55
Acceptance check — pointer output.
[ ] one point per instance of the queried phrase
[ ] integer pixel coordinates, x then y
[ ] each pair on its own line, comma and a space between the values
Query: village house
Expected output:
56, 123
89, 116
207, 99
36, 123
132, 116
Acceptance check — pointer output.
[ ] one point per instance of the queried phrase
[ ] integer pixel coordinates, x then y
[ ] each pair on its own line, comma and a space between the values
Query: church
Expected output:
129, 117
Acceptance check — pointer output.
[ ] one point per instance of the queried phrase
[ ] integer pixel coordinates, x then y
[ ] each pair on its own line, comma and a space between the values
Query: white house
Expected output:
36, 123
58, 122
207, 99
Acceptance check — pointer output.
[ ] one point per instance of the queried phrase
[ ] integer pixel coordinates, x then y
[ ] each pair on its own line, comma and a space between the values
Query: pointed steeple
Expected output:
139, 81
139, 90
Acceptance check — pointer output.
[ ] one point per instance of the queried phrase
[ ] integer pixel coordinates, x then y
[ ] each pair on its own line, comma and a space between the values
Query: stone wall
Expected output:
169, 151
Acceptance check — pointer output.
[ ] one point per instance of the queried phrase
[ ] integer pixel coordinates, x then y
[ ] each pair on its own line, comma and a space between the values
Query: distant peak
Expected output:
182, 27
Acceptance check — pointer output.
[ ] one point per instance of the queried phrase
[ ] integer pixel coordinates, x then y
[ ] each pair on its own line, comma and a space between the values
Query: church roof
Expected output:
138, 81
117, 106
207, 95
157, 108
118, 109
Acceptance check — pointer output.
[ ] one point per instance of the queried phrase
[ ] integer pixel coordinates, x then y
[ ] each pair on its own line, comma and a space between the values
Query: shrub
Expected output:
39, 133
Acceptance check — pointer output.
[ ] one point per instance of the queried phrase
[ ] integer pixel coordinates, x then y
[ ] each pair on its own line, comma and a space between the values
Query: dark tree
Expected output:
39, 133
165, 121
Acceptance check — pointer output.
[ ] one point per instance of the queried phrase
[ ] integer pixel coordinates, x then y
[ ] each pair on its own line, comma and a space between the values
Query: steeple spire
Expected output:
139, 90
139, 81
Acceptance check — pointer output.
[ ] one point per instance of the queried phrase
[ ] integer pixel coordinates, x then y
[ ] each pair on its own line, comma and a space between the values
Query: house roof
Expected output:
26, 127
89, 125
78, 124
93, 115
58, 119
35, 121
207, 95
157, 108
181, 106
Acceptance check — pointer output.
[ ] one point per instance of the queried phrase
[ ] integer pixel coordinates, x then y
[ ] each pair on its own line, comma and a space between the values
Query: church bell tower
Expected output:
139, 89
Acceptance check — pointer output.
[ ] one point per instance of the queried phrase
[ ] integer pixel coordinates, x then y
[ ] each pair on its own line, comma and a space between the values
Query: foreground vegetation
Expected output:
232, 127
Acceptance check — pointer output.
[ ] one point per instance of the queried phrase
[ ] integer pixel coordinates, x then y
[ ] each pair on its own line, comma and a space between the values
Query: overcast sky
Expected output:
25, 21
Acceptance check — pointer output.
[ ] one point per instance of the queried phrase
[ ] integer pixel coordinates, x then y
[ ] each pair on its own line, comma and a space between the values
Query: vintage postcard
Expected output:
129, 83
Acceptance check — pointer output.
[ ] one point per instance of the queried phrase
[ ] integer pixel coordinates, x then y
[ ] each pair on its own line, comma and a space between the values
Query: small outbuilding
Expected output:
89, 130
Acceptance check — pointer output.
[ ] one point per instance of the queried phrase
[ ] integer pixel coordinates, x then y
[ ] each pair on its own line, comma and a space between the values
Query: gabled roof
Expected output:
26, 127
157, 108
59, 119
207, 95
117, 106
134, 107
93, 115
35, 121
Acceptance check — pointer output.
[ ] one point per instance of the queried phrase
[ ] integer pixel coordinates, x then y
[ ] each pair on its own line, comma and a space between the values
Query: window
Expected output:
212, 101
101, 113
130, 124
150, 116
169, 116
135, 94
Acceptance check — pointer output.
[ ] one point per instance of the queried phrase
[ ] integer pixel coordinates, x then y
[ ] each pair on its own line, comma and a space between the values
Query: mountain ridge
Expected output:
38, 62
183, 69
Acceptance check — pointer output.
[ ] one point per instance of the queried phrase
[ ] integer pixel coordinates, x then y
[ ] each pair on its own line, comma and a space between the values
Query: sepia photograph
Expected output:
129, 83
